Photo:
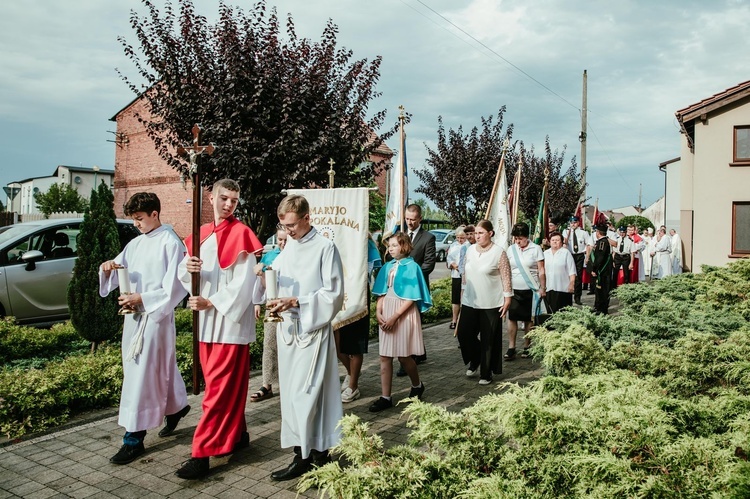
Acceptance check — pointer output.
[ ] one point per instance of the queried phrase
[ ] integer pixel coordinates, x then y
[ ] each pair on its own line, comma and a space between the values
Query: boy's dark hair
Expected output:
142, 201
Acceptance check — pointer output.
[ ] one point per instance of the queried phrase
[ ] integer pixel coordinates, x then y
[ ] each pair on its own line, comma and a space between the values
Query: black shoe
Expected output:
127, 454
298, 467
171, 421
578, 300
381, 404
510, 354
417, 392
193, 469
244, 442
320, 458
401, 372
420, 359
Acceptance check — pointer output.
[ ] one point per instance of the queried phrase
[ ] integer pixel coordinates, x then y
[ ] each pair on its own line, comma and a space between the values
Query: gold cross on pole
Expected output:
331, 173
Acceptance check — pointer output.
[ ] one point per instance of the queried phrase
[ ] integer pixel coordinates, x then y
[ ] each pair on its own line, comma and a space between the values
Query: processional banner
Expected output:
343, 216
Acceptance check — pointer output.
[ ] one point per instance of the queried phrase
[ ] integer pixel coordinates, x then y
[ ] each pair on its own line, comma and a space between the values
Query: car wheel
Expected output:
441, 256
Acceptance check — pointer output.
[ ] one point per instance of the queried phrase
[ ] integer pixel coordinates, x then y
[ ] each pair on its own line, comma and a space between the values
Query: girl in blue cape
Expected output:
403, 294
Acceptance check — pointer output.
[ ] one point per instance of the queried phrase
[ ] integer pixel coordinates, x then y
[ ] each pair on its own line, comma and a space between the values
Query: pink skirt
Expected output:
406, 337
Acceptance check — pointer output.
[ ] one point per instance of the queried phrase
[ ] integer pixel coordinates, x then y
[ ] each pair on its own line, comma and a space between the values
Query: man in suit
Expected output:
423, 252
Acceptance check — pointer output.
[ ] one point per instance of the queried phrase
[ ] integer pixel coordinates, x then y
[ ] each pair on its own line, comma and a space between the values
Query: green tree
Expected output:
95, 318
60, 197
642, 223
278, 106
377, 211
461, 171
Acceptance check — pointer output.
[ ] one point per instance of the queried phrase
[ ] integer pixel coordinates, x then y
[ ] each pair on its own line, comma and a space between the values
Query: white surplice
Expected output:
311, 408
662, 261
152, 385
676, 253
232, 317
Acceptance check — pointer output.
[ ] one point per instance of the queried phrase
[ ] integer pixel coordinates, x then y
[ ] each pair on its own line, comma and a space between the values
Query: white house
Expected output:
714, 178
83, 179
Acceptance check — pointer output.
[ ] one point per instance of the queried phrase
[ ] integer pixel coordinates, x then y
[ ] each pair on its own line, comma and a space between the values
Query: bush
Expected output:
23, 343
37, 399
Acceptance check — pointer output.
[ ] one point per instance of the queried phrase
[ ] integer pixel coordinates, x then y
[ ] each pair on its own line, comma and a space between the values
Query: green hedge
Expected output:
29, 346
654, 402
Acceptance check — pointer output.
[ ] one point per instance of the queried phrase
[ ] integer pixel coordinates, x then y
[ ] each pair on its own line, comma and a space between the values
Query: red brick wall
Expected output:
139, 168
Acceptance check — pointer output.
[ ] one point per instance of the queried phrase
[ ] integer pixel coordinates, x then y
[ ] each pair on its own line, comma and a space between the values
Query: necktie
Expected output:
622, 245
575, 243
411, 236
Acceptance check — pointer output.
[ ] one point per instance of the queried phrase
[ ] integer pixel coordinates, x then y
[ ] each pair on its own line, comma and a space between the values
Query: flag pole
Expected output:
402, 170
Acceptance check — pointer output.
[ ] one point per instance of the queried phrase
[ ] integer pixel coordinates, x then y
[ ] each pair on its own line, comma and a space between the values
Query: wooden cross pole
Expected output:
193, 153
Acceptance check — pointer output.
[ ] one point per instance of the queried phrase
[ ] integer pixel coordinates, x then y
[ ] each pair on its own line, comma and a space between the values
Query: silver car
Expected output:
443, 239
36, 264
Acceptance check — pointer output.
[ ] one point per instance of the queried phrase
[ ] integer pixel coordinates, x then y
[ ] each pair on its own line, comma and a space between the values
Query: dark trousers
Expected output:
578, 258
558, 299
602, 284
481, 350
621, 261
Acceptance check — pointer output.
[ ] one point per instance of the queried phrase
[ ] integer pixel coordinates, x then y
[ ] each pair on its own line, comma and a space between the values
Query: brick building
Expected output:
138, 167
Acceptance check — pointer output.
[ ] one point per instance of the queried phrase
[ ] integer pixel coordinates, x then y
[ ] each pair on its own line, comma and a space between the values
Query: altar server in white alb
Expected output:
310, 290
152, 387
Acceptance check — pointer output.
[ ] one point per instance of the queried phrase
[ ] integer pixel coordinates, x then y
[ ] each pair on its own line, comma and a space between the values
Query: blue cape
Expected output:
269, 257
408, 284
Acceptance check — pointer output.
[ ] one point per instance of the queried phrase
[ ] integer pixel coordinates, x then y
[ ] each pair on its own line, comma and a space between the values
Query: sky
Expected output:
461, 60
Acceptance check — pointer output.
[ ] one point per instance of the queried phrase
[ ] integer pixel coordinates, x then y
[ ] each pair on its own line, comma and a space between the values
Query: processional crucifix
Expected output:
193, 153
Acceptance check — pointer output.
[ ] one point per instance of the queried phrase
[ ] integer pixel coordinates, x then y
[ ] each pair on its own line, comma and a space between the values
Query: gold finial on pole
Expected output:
331, 173
506, 144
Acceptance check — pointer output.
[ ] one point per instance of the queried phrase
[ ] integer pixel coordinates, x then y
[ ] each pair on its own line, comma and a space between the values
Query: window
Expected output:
741, 228
741, 146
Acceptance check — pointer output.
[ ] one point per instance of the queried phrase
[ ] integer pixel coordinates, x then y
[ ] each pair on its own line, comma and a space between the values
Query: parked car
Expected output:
443, 239
36, 265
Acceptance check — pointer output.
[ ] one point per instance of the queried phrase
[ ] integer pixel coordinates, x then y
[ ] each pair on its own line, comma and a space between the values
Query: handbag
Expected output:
542, 312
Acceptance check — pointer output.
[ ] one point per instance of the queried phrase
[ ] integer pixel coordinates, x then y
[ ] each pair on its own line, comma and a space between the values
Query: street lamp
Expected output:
96, 171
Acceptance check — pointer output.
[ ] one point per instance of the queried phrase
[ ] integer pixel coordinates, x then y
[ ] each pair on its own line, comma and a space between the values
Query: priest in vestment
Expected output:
310, 285
227, 327
152, 386
676, 251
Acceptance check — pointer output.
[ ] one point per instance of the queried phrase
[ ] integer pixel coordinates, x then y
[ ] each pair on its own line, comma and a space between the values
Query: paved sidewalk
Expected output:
74, 462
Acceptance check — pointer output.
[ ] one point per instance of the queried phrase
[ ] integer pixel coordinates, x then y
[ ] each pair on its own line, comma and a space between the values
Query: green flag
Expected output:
540, 231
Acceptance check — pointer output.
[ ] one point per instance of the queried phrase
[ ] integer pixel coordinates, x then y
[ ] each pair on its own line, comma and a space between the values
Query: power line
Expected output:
527, 75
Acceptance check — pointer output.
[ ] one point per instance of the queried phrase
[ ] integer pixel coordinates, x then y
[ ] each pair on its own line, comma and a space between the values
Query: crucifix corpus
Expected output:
193, 153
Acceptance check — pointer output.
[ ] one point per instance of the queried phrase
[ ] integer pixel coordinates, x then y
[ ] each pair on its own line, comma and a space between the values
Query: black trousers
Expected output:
558, 299
578, 258
602, 284
482, 350
621, 261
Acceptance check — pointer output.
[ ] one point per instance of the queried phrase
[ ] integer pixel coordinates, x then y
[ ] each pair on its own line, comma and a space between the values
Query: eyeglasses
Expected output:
288, 227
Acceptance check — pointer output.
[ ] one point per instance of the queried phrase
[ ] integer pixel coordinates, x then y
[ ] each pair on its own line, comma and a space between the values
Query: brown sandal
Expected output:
262, 394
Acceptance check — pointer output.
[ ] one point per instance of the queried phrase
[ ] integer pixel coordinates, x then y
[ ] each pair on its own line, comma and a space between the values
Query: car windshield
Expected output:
17, 230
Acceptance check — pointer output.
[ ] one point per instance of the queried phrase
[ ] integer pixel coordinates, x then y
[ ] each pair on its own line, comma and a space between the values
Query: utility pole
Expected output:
640, 195
582, 138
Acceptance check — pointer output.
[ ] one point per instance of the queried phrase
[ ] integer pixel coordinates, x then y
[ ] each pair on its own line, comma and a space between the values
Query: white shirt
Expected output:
484, 283
581, 236
627, 246
531, 254
231, 319
558, 267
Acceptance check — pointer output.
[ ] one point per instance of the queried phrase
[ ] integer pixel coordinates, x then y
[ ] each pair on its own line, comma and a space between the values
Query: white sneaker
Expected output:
349, 396
485, 381
345, 383
470, 373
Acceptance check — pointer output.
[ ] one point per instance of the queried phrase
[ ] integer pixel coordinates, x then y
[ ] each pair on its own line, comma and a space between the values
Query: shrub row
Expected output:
629, 407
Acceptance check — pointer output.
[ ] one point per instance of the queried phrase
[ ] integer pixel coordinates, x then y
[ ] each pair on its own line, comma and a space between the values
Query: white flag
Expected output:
398, 193
497, 211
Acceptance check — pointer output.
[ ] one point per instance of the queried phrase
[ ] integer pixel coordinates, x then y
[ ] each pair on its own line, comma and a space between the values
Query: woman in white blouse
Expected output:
529, 285
560, 269
485, 300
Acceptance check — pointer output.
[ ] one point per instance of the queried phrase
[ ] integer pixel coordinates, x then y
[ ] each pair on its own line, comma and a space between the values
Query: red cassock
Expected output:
226, 366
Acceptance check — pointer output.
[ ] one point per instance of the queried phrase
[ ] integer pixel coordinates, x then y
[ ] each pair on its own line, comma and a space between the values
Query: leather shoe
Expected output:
194, 468
401, 372
127, 454
298, 468
243, 443
171, 421
578, 300
320, 458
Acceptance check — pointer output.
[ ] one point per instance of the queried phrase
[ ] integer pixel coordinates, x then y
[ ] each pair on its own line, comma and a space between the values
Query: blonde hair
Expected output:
294, 203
